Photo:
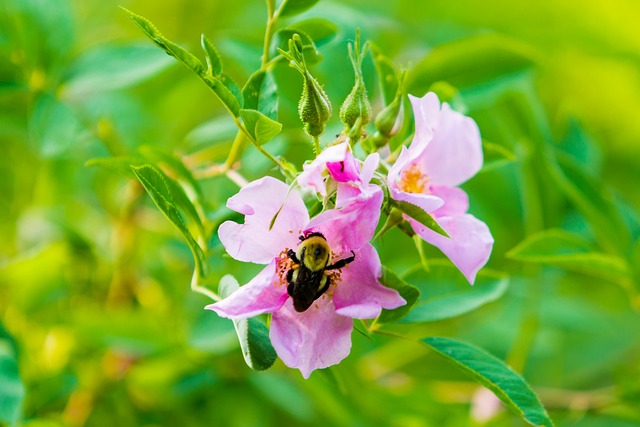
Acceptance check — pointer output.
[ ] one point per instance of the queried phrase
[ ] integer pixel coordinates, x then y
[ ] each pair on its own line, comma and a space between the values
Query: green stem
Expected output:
196, 287
316, 145
236, 150
272, 18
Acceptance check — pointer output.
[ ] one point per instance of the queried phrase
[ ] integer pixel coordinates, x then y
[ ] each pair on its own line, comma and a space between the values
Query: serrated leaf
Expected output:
261, 127
113, 67
408, 292
296, 7
253, 334
495, 375
11, 387
565, 250
419, 215
156, 184
445, 293
178, 52
214, 63
259, 93
175, 164
387, 76
229, 97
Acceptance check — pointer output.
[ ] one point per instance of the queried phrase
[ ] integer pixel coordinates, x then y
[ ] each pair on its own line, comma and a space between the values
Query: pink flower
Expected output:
319, 336
445, 152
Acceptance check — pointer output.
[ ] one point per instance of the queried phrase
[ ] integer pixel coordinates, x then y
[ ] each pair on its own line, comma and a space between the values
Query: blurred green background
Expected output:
95, 307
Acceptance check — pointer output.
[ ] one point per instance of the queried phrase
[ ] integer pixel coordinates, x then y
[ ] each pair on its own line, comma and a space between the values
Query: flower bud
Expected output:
388, 122
356, 106
355, 112
314, 107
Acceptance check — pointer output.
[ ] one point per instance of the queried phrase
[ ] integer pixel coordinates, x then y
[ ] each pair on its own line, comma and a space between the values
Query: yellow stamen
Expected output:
413, 180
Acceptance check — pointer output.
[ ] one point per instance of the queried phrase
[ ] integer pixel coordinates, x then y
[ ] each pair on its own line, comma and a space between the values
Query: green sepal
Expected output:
314, 107
356, 108
410, 293
419, 215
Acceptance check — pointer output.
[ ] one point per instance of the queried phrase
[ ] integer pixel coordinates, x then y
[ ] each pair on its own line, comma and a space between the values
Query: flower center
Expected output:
412, 180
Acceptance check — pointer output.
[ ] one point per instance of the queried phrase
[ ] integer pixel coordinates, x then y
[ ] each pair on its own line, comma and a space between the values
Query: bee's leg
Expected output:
290, 280
292, 255
342, 262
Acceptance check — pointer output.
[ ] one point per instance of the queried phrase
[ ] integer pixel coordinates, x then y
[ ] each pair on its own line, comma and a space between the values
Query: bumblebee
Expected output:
307, 278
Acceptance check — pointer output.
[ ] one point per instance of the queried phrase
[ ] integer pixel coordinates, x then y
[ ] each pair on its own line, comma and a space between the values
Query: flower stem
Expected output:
316, 145
236, 149
196, 287
272, 18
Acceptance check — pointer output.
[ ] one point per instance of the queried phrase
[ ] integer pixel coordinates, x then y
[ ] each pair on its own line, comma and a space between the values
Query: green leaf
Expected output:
495, 156
252, 333
214, 63
54, 126
445, 293
158, 187
296, 7
259, 93
408, 292
565, 250
11, 387
495, 375
471, 61
227, 91
176, 165
170, 47
592, 200
387, 76
261, 127
113, 67
419, 215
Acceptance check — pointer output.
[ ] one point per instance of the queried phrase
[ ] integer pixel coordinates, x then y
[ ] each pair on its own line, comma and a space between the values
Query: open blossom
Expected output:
351, 177
319, 336
445, 152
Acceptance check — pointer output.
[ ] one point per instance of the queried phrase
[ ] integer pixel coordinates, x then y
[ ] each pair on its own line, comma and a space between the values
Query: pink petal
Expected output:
359, 294
263, 294
312, 174
469, 246
353, 226
259, 201
454, 154
456, 201
369, 167
425, 112
314, 339
426, 202
346, 170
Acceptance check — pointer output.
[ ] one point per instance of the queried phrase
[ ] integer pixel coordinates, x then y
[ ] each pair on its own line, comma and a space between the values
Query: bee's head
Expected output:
314, 252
